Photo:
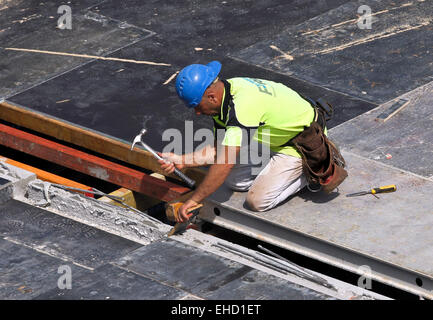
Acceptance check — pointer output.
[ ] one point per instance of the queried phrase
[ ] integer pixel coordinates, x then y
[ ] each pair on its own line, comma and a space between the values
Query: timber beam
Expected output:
86, 138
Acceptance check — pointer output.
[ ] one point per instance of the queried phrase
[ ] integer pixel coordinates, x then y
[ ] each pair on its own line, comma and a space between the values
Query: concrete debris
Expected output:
5, 193
18, 177
7, 170
107, 217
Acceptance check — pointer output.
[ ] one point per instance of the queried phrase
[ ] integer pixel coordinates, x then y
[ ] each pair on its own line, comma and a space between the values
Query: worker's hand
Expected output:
182, 215
172, 160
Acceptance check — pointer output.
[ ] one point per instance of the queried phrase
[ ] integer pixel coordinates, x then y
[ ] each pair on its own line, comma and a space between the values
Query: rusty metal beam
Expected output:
89, 164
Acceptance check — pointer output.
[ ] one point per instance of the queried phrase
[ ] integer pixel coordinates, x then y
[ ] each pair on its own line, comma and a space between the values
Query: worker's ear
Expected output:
211, 96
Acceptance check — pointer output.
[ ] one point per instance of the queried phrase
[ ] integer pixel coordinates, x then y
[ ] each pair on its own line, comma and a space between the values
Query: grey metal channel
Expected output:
330, 253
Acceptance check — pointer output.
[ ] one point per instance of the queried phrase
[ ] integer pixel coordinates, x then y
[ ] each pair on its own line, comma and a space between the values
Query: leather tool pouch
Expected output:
321, 160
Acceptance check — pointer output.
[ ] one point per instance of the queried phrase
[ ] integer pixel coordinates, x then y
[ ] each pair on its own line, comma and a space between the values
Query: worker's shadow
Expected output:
316, 197
308, 196
224, 194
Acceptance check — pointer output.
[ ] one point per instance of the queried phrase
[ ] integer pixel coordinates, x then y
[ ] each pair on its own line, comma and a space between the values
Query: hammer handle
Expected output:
187, 180
180, 174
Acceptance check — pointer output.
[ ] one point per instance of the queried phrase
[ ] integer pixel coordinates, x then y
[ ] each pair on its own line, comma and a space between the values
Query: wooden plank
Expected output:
392, 110
89, 164
126, 194
86, 138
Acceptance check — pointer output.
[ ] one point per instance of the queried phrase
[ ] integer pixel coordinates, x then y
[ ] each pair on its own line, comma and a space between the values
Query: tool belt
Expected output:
322, 162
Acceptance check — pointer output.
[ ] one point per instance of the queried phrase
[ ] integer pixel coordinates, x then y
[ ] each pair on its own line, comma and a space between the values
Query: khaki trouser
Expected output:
281, 177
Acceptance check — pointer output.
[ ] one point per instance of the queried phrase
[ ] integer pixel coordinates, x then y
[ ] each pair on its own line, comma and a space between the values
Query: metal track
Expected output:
341, 257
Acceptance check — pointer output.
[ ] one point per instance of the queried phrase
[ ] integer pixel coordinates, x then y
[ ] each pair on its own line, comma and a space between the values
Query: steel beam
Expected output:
303, 244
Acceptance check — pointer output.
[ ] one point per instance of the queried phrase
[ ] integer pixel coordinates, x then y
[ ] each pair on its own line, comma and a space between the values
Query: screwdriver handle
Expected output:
390, 188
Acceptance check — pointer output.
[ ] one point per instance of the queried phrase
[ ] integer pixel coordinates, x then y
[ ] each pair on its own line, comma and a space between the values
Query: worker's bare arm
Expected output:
215, 177
202, 157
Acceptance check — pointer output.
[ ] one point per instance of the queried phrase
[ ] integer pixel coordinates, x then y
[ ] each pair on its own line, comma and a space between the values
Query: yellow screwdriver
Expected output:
390, 188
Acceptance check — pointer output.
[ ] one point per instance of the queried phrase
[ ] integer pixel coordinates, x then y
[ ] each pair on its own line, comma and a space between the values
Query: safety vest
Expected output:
273, 111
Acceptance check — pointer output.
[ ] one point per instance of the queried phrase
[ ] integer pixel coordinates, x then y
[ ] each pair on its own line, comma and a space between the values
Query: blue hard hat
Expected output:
193, 80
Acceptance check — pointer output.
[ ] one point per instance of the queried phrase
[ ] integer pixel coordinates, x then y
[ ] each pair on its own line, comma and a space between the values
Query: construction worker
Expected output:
276, 113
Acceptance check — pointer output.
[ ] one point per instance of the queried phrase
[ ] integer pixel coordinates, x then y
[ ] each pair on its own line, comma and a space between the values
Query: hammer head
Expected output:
138, 138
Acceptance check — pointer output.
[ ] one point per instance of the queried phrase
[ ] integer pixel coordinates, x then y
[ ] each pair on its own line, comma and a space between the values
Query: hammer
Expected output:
180, 174
172, 212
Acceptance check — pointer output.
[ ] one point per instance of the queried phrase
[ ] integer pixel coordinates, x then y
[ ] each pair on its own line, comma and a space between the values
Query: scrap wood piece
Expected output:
284, 55
171, 78
88, 56
391, 111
